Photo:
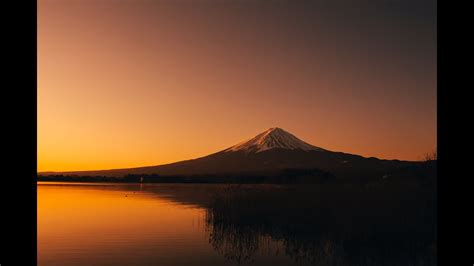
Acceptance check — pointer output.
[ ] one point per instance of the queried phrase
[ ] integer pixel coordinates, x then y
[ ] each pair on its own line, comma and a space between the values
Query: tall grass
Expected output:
329, 224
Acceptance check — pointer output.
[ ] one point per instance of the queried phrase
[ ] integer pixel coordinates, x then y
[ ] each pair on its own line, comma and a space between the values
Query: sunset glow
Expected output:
126, 85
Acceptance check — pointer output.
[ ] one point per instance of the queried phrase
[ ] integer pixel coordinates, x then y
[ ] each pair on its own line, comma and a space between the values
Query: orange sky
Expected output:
136, 83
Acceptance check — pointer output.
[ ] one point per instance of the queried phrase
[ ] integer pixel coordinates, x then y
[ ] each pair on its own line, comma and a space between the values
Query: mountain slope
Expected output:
267, 153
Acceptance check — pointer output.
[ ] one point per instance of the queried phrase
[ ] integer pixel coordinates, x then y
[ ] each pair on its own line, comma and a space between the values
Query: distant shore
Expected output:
420, 175
288, 176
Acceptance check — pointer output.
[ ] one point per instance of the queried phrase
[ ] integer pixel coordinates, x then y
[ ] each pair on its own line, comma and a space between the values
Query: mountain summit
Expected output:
273, 138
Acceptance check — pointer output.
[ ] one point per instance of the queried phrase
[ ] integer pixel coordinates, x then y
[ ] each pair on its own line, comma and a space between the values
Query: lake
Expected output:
199, 224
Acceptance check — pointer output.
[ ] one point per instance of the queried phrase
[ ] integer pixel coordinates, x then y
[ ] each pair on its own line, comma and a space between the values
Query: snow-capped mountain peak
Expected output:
270, 139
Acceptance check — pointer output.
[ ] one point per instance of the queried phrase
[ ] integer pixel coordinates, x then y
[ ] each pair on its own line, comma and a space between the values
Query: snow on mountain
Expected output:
271, 139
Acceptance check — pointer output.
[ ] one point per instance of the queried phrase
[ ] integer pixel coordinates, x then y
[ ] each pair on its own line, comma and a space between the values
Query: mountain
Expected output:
268, 153
273, 138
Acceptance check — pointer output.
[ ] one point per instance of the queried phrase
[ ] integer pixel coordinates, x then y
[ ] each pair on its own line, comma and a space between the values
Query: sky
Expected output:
127, 83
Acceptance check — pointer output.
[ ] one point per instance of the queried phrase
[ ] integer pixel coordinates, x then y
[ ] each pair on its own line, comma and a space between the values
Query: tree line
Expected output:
285, 176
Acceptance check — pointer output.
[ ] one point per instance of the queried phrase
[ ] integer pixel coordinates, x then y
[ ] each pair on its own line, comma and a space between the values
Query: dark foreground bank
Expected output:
327, 224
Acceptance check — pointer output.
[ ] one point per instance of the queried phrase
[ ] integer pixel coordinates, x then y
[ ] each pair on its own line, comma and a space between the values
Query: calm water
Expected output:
183, 224
132, 224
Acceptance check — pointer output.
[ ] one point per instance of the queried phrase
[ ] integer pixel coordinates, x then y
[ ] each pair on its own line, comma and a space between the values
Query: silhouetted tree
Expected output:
431, 156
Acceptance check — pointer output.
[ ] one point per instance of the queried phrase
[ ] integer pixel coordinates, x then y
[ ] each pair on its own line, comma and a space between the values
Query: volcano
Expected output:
273, 138
268, 153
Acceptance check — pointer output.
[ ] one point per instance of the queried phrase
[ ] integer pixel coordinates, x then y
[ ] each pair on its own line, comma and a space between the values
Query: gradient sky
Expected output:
141, 82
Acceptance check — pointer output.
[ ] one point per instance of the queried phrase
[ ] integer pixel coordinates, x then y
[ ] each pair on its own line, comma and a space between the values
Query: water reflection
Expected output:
325, 225
168, 224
